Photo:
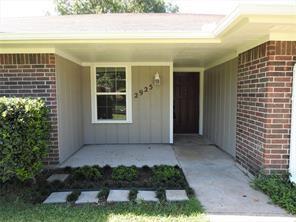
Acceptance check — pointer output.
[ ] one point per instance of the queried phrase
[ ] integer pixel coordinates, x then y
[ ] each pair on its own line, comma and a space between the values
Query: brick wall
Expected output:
32, 75
264, 106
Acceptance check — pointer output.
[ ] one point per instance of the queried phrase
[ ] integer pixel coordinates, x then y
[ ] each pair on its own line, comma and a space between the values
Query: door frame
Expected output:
200, 71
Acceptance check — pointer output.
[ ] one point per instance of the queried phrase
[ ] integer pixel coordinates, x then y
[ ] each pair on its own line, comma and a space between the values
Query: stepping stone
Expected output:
118, 196
57, 197
88, 197
176, 195
59, 177
147, 196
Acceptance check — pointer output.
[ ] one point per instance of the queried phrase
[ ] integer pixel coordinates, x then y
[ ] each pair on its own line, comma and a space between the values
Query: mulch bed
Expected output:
145, 179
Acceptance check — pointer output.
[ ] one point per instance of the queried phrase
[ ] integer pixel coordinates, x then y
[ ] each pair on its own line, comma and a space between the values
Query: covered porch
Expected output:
226, 52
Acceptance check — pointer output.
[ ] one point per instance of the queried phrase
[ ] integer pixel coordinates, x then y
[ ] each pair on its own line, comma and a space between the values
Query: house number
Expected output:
142, 91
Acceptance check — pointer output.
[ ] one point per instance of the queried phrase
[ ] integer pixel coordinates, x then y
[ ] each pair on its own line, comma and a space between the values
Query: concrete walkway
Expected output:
220, 186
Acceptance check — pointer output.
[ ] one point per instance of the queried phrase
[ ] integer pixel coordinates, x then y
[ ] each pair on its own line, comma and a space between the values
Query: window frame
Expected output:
128, 93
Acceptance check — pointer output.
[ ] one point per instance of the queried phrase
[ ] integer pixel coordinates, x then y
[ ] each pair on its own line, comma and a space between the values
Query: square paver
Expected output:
176, 195
118, 196
57, 197
88, 197
147, 196
59, 177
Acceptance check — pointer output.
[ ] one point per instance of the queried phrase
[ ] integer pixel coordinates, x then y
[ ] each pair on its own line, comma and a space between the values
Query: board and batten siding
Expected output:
150, 112
69, 99
220, 105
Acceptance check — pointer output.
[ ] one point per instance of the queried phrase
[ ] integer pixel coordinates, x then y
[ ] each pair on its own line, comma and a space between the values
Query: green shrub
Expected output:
190, 192
72, 197
160, 194
163, 174
103, 194
88, 173
280, 190
124, 173
24, 137
132, 195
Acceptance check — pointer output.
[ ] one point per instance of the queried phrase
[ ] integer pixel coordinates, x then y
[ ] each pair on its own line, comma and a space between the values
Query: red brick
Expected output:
29, 68
274, 61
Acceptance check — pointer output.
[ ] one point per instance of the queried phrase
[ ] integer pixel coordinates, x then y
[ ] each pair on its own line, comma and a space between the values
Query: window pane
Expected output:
120, 80
120, 86
111, 107
105, 78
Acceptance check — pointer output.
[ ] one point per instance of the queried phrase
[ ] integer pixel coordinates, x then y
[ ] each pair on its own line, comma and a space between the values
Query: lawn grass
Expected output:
280, 190
17, 210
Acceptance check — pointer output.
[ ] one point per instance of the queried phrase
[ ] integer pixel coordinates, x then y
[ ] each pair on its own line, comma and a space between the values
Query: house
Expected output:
140, 78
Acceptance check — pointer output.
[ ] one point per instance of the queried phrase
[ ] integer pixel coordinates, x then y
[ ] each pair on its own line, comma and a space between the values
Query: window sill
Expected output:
111, 121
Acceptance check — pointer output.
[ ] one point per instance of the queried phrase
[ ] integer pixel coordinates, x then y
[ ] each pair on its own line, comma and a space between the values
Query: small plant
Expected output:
56, 185
160, 194
88, 173
72, 197
280, 190
103, 194
163, 174
190, 192
123, 173
132, 196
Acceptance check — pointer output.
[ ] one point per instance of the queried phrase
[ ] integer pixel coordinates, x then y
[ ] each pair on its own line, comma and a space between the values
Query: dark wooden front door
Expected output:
186, 102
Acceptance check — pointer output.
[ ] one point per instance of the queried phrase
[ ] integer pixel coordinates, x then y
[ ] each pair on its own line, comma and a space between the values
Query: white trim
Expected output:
129, 98
93, 94
171, 103
128, 93
68, 56
15, 50
112, 40
188, 69
201, 101
246, 47
221, 60
97, 36
118, 64
240, 49
292, 162
282, 36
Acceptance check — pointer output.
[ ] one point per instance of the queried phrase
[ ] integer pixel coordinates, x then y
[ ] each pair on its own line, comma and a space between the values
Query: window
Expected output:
111, 99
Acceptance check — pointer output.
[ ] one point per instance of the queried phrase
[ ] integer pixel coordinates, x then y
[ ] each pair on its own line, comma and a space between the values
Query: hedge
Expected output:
24, 137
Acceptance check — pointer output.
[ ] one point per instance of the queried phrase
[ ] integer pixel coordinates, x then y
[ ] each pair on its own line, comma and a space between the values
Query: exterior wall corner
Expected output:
264, 90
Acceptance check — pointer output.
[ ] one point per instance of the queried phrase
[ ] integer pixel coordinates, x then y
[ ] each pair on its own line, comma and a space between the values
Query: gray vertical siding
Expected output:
150, 112
69, 98
220, 105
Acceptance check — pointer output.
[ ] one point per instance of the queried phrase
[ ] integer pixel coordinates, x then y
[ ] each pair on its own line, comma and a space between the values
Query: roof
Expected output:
112, 23
184, 39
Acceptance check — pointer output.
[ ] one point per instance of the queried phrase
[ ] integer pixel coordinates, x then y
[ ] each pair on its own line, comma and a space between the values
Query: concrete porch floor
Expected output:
127, 155
221, 187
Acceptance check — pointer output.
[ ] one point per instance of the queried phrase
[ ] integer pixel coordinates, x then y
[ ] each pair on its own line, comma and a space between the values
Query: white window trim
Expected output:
128, 93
